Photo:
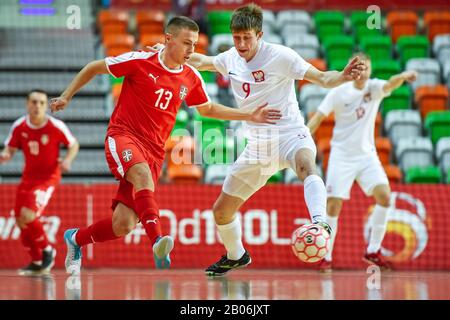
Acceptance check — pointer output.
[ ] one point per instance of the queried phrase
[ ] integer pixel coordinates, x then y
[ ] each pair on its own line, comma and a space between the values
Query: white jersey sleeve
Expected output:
330, 103
294, 66
222, 60
376, 88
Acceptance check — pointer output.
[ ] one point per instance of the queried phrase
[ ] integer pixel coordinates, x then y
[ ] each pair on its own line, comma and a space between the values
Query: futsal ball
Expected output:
310, 243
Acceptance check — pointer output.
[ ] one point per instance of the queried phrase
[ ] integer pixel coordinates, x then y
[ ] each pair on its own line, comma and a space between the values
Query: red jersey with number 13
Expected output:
150, 98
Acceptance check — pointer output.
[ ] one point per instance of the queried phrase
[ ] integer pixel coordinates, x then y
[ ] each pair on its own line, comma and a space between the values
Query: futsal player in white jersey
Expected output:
263, 73
353, 154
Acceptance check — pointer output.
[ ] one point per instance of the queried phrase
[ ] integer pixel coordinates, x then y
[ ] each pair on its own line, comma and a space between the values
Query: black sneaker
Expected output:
224, 265
48, 259
30, 270
325, 225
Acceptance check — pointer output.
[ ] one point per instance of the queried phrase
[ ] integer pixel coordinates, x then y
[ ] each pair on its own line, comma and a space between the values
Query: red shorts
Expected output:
122, 153
34, 195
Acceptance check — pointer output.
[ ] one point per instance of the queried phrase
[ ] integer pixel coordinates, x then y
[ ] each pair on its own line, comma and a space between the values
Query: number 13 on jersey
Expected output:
167, 95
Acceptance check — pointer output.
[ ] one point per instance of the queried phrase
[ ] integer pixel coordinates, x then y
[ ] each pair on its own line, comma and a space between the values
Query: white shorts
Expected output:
342, 172
262, 158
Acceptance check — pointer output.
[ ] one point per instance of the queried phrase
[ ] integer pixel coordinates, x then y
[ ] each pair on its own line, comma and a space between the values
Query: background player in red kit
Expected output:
39, 136
154, 87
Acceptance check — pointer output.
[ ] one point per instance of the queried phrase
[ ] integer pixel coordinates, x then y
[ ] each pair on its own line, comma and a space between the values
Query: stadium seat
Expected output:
436, 22
429, 71
414, 152
440, 42
446, 72
401, 23
437, 124
216, 173
219, 22
294, 17
112, 17
90, 162
429, 174
329, 23
220, 39
409, 47
358, 20
109, 29
150, 39
118, 44
306, 45
338, 47
431, 98
210, 128
400, 99
384, 147
150, 21
276, 178
185, 174
324, 148
272, 38
88, 134
338, 65
202, 44
310, 97
290, 177
320, 64
384, 69
269, 22
443, 154
180, 150
448, 177
377, 47
403, 124
393, 173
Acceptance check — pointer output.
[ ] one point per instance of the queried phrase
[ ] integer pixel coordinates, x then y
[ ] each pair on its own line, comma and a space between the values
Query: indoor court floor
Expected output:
247, 284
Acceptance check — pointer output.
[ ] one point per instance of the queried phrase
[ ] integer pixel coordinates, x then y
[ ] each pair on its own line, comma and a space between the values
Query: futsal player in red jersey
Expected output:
39, 136
155, 85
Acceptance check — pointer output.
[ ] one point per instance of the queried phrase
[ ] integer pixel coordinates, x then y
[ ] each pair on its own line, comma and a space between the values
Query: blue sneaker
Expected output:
161, 250
73, 257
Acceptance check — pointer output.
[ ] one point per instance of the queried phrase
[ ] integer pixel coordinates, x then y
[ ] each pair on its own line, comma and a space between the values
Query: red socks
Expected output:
34, 237
100, 231
148, 212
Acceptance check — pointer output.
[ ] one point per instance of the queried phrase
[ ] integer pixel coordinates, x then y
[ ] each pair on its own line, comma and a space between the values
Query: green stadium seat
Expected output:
220, 150
180, 122
377, 47
384, 69
338, 65
358, 21
276, 178
113, 80
429, 174
400, 99
212, 130
329, 23
208, 76
438, 125
409, 47
448, 176
339, 47
219, 22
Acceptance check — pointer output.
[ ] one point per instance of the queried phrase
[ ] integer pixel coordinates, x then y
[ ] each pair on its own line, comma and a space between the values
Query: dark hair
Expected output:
38, 91
249, 17
361, 55
181, 22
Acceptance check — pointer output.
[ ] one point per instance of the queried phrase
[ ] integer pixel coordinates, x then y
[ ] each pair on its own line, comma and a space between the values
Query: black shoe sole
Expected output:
216, 274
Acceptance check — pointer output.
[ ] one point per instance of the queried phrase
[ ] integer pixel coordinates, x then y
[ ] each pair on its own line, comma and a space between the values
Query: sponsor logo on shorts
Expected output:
127, 155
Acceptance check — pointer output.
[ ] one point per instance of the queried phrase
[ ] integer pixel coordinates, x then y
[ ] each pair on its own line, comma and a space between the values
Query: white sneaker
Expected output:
73, 257
161, 250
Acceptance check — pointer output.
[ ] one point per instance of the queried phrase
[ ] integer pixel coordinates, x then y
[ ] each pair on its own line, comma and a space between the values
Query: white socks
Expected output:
316, 198
378, 223
333, 223
231, 235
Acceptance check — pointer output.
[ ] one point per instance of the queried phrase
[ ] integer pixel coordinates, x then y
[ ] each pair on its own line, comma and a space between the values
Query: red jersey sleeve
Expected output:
65, 136
126, 64
197, 95
13, 139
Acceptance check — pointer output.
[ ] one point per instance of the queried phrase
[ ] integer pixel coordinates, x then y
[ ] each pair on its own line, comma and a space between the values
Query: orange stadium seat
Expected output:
325, 131
401, 23
185, 173
150, 21
393, 173
324, 148
436, 22
384, 148
320, 64
378, 123
151, 39
202, 44
116, 44
431, 98
180, 150
113, 29
112, 17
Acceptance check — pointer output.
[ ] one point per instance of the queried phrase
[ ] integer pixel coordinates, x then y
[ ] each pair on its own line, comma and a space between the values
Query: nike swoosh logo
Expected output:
232, 73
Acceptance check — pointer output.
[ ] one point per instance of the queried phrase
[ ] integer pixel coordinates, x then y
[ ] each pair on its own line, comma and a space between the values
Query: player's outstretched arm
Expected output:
331, 79
397, 80
72, 152
314, 123
7, 154
260, 114
84, 76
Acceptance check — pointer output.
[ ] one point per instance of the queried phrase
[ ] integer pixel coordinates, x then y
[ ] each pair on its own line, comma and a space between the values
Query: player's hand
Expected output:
354, 69
59, 103
262, 114
5, 156
65, 164
157, 47
410, 76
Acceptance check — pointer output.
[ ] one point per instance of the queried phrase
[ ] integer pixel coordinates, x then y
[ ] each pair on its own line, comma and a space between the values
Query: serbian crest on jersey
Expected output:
183, 92
258, 75
127, 155
44, 139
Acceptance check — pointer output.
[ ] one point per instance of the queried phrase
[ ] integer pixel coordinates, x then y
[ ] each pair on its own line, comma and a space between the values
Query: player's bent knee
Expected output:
221, 215
140, 176
123, 227
26, 216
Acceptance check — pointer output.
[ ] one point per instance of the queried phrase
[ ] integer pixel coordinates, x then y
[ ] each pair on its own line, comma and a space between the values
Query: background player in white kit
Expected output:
353, 154
261, 73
